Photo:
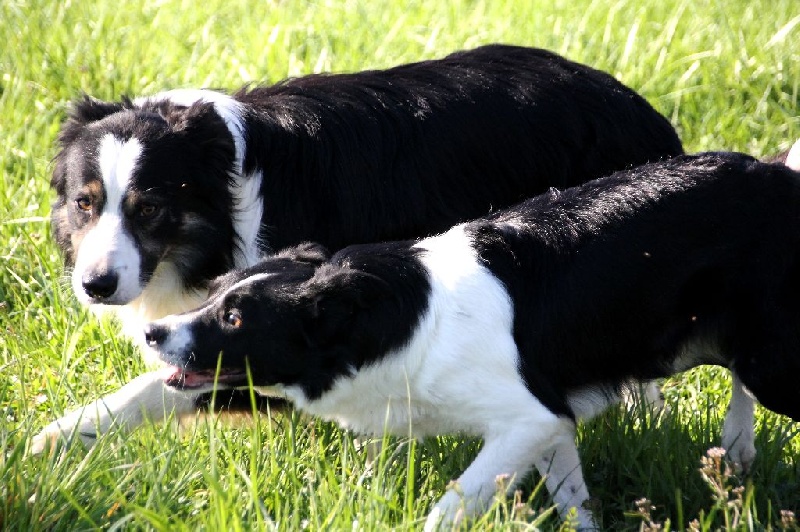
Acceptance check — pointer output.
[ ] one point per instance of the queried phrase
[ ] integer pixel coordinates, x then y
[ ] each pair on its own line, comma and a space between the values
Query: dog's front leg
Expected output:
738, 433
561, 468
145, 397
505, 455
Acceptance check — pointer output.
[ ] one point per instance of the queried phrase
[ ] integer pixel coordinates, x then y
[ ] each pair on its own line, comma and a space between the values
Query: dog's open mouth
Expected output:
190, 380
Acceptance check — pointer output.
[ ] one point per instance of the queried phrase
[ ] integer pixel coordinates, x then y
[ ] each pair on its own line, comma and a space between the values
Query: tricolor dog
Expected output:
516, 325
158, 195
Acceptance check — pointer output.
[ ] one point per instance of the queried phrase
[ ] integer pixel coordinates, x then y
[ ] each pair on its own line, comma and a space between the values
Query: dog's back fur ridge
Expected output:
540, 124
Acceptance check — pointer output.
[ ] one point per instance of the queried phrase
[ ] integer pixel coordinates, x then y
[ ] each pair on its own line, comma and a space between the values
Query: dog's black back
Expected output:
410, 151
652, 271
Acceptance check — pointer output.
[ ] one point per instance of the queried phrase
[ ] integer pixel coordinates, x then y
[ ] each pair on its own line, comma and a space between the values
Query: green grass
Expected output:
726, 73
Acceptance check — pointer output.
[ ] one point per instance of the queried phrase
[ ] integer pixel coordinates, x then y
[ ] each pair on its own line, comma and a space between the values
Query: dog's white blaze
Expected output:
107, 246
244, 189
117, 159
180, 339
793, 157
236, 286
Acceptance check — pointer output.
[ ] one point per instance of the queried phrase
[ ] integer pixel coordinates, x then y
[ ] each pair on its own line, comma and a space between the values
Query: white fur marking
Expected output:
458, 373
561, 468
107, 247
180, 340
246, 192
793, 157
591, 401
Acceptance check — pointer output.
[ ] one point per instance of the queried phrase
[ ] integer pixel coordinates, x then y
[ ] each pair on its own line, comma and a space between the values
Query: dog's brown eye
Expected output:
233, 318
146, 210
84, 204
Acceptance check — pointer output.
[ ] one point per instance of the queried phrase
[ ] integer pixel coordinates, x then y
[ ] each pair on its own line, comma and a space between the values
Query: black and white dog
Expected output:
158, 195
514, 326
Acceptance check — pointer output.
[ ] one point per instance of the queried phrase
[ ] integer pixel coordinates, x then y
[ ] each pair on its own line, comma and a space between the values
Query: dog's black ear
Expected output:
204, 128
199, 120
85, 111
309, 252
89, 109
336, 303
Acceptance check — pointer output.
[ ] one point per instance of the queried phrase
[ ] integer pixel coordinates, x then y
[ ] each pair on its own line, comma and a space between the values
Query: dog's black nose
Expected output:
155, 334
100, 285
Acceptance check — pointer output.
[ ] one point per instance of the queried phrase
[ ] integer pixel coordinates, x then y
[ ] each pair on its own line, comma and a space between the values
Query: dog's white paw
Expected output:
447, 513
68, 428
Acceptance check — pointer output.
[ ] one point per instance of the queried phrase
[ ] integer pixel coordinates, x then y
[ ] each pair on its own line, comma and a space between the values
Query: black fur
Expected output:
610, 280
410, 151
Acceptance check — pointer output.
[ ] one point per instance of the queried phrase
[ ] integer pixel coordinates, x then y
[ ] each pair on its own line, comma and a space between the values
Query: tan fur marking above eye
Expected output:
94, 188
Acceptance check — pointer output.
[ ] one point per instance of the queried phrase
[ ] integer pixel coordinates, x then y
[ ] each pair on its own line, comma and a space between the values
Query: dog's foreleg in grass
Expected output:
510, 454
561, 468
145, 397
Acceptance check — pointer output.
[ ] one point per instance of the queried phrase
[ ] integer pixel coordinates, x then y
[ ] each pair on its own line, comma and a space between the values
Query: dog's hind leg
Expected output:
145, 397
738, 434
